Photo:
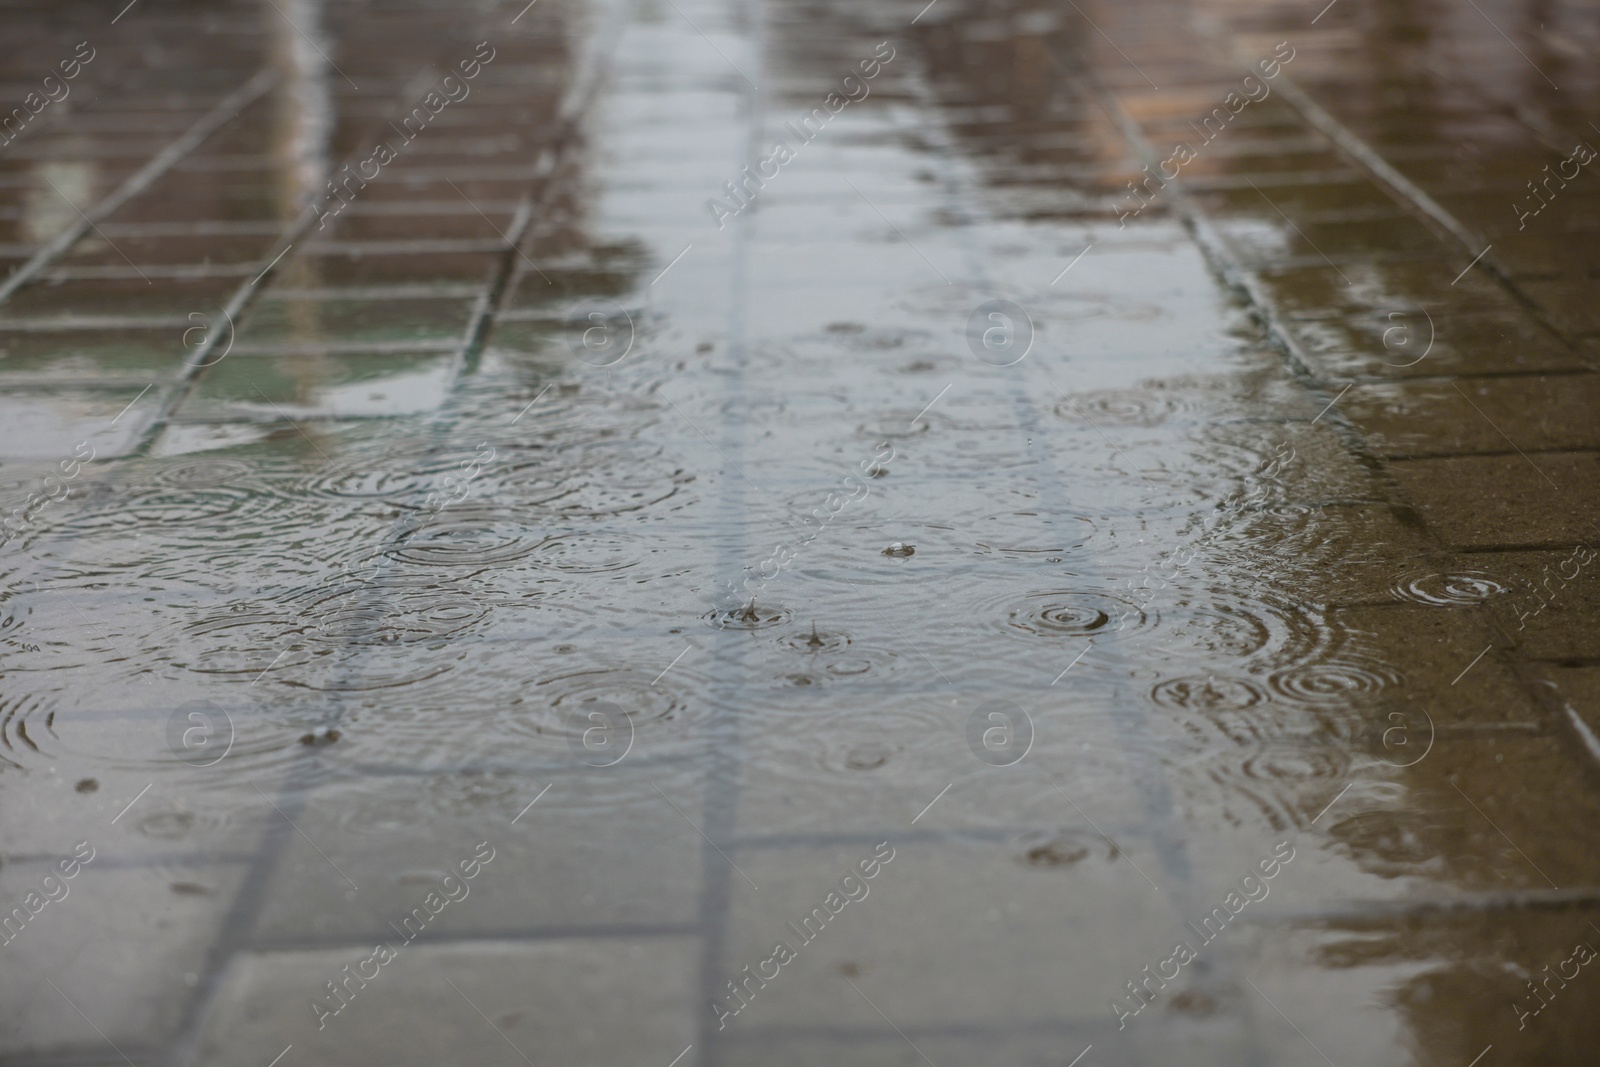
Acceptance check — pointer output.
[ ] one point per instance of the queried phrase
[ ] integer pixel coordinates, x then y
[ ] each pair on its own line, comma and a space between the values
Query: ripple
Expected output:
325, 637
1065, 848
559, 707
591, 553
1337, 682
181, 515
1029, 535
861, 338
841, 744
1256, 634
26, 724
1277, 779
828, 656
1073, 613
355, 616
1149, 406
204, 472
1209, 693
1447, 590
471, 794
470, 536
868, 756
752, 616
1384, 843
177, 822
596, 480
906, 422
816, 642
404, 473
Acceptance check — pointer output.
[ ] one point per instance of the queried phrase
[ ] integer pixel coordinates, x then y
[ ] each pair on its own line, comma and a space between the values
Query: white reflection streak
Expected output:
307, 106
931, 803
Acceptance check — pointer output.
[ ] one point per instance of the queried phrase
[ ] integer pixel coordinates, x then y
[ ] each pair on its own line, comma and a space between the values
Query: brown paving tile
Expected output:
1434, 989
1413, 344
1569, 301
1537, 257
1576, 691
1485, 415
1319, 291
1402, 234
1435, 652
1474, 815
91, 354
1549, 598
1488, 501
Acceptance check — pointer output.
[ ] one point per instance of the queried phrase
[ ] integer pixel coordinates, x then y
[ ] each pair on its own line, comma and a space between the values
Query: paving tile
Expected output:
1488, 501
1407, 342
1566, 303
1319, 291
346, 386
1487, 415
601, 850
94, 355
1446, 658
1012, 948
1547, 596
1439, 988
124, 948
311, 322
511, 1003
62, 423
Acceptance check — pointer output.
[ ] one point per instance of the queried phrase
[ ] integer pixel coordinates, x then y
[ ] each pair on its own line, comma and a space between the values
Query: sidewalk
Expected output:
1175, 592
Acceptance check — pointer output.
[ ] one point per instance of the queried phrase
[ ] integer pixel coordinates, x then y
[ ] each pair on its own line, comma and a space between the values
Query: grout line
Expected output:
1474, 263
225, 111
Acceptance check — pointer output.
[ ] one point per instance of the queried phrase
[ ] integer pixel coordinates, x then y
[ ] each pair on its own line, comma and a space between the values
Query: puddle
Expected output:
1086, 542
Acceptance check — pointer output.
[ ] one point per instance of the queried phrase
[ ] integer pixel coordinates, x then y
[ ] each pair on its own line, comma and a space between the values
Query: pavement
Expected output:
693, 532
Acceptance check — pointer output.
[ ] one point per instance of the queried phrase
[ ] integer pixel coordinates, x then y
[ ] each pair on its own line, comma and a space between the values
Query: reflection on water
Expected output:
53, 196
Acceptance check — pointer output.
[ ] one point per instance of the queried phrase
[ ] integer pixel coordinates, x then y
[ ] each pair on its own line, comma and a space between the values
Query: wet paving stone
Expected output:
689, 534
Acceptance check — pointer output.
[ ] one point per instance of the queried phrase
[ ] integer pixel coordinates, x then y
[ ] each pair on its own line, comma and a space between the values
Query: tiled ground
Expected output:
371, 526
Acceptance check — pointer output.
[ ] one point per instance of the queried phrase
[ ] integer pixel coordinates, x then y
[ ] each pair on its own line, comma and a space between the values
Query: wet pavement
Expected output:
690, 532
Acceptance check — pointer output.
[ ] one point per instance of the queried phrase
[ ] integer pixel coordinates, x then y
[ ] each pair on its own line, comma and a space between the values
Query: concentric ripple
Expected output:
1254, 634
1275, 780
470, 536
1447, 590
1208, 693
1344, 681
1073, 613
27, 730
561, 707
203, 472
